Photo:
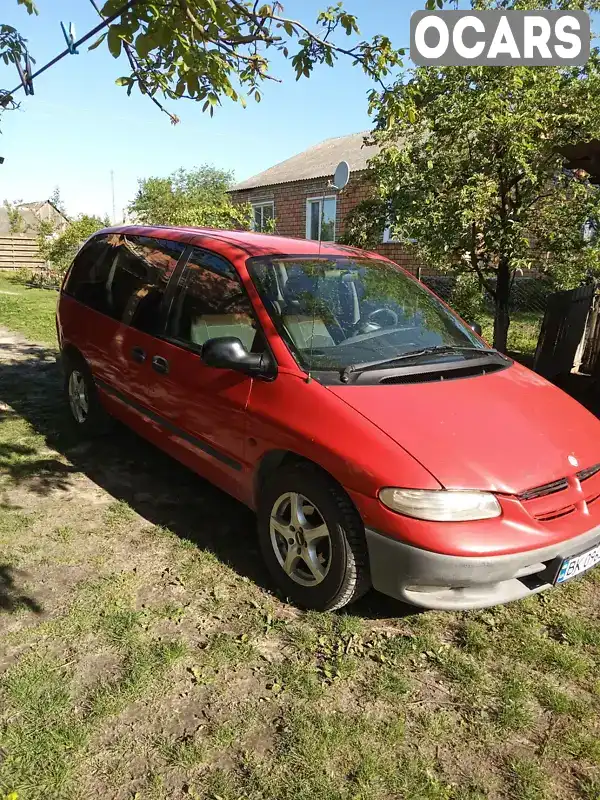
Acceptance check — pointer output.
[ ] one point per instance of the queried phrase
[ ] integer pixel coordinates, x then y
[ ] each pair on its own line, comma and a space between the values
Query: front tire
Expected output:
312, 538
86, 411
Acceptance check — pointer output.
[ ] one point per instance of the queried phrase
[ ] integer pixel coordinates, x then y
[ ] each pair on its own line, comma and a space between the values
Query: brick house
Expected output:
295, 193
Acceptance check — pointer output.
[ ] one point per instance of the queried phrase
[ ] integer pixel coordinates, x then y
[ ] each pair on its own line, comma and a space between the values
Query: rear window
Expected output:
124, 277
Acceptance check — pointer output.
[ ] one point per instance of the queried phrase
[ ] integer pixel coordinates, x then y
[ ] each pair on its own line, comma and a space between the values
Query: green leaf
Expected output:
31, 9
114, 41
98, 42
193, 83
144, 44
123, 81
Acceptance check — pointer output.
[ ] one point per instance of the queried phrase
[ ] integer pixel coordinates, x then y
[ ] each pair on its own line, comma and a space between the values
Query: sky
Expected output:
79, 126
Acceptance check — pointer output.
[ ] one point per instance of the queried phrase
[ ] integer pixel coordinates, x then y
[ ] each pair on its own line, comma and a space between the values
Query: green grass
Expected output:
28, 311
523, 331
143, 655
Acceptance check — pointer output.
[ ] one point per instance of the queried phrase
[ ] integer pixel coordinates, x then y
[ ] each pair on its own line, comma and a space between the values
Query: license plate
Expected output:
575, 565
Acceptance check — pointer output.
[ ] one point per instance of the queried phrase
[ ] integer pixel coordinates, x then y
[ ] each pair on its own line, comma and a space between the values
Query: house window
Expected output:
263, 215
320, 218
388, 236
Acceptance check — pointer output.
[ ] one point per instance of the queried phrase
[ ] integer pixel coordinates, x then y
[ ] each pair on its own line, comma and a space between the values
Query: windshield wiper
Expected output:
425, 351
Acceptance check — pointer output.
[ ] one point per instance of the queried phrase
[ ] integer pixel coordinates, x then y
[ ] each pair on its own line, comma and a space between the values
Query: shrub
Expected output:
467, 297
59, 250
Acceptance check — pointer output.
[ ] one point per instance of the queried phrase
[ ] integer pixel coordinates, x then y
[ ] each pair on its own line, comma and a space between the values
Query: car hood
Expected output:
507, 431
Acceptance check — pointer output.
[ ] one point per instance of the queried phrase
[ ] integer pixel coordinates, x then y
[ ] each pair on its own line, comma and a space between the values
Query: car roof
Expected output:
251, 243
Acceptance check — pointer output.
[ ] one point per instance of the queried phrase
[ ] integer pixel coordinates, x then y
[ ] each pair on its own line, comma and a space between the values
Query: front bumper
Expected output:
451, 583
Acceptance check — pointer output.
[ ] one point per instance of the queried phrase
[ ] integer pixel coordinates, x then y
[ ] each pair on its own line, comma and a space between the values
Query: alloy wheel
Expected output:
300, 539
78, 399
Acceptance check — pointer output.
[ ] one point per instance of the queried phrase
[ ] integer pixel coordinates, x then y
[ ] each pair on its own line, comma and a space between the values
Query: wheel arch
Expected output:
69, 352
274, 460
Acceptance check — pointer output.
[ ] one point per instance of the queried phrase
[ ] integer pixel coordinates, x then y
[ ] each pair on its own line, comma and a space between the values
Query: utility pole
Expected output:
112, 186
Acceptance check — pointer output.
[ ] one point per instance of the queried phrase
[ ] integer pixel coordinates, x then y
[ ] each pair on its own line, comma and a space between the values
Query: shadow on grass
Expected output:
157, 487
11, 597
42, 475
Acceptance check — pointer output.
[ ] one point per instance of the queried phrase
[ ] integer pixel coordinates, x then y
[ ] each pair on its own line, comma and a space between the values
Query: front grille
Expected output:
584, 474
545, 489
558, 499
557, 513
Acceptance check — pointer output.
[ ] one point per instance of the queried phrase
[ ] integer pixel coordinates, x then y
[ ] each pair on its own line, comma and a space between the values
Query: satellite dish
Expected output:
341, 175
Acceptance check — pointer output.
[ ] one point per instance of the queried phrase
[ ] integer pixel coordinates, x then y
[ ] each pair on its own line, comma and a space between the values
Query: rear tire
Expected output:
86, 412
312, 538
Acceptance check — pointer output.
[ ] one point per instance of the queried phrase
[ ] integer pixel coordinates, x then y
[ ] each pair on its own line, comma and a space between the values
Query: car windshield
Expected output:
335, 312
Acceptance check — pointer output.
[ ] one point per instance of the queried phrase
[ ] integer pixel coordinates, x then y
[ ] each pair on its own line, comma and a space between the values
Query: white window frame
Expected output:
319, 199
387, 236
262, 204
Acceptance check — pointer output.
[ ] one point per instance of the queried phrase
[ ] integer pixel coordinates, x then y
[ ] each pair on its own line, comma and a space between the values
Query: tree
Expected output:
196, 197
57, 201
209, 49
60, 250
16, 223
470, 170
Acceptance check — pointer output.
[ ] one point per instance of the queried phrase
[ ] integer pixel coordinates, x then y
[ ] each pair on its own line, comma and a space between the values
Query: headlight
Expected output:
441, 506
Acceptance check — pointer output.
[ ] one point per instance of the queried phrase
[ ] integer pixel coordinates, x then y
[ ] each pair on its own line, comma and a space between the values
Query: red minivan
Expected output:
379, 439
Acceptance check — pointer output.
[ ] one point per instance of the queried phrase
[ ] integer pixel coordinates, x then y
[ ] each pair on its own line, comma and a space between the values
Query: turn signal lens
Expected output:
441, 506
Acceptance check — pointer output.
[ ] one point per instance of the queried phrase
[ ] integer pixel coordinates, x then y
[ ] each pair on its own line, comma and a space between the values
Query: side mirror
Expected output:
228, 352
475, 326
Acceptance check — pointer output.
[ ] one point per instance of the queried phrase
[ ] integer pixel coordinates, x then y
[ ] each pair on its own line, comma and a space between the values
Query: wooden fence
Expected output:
562, 344
587, 358
19, 251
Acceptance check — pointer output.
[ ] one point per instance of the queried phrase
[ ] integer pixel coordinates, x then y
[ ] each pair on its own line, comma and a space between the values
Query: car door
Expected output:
204, 407
85, 315
136, 289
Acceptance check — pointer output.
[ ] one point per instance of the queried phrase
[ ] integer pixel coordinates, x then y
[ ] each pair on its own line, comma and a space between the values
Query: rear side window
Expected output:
210, 302
125, 277
89, 272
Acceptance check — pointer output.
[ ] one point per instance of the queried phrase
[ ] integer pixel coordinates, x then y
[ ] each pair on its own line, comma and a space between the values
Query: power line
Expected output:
76, 44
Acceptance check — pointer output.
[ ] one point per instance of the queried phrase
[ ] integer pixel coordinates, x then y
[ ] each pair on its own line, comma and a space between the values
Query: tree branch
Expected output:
135, 66
218, 42
475, 263
312, 36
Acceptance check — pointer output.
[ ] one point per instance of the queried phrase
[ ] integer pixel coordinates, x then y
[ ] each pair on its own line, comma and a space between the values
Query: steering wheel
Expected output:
385, 312
370, 324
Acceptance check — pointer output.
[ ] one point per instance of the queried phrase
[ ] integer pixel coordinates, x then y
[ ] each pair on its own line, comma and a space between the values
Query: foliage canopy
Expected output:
196, 197
471, 170
209, 49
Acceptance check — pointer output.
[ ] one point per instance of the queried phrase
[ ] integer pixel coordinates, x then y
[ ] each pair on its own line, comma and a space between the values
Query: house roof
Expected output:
29, 221
30, 217
318, 161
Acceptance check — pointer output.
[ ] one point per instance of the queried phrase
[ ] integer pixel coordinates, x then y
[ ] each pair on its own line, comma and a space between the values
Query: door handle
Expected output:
138, 354
160, 364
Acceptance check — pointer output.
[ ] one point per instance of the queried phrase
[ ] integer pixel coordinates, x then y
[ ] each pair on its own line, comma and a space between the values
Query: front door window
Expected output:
210, 302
